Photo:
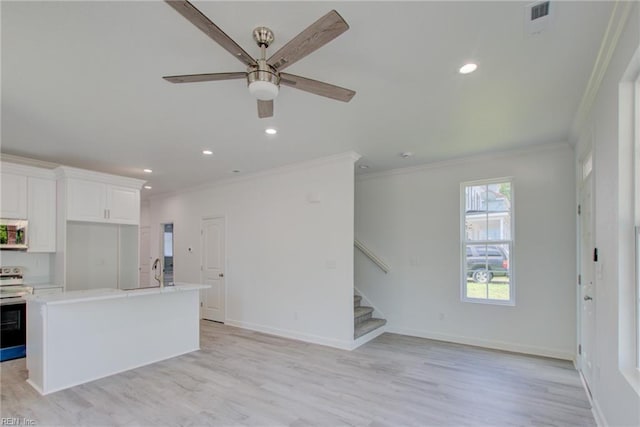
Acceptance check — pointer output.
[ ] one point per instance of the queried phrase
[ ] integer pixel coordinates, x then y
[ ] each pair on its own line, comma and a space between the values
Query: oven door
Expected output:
13, 330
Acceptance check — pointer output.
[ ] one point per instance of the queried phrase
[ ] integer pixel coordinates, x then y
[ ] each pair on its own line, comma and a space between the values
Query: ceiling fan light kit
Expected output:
263, 81
265, 75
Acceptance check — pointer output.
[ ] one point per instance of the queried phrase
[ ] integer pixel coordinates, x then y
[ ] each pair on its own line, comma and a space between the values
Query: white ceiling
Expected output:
82, 86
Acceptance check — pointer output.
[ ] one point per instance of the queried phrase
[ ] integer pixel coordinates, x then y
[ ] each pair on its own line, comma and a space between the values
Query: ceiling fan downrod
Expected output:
263, 80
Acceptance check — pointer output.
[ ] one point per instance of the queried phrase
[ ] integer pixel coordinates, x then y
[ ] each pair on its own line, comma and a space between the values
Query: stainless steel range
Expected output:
13, 312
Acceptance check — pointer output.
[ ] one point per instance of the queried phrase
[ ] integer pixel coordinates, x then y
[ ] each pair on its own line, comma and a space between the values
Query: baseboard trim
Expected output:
595, 408
496, 345
598, 415
313, 339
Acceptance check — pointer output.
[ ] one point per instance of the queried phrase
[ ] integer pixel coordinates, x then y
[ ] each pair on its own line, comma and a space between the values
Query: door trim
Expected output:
224, 262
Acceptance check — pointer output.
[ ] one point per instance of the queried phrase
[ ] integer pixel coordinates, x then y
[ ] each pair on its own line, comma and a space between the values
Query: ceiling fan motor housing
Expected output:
263, 81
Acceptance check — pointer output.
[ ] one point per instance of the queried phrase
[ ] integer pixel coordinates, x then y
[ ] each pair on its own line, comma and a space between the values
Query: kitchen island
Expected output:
80, 336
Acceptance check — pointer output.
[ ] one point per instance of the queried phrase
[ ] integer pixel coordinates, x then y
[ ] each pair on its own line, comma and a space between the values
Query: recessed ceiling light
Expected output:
207, 152
468, 68
364, 166
148, 187
147, 170
406, 154
270, 131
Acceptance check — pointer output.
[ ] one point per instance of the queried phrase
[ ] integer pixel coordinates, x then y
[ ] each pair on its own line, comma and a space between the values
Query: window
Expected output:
487, 241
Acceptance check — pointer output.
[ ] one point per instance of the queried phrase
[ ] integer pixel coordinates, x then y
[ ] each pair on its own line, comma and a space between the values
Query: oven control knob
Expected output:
6, 270
16, 270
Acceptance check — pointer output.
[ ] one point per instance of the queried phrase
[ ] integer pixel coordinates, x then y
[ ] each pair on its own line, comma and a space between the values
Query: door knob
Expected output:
220, 274
587, 298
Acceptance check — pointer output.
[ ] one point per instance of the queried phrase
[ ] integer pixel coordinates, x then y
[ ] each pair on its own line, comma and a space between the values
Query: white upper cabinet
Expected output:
86, 201
123, 205
14, 196
30, 193
98, 197
41, 214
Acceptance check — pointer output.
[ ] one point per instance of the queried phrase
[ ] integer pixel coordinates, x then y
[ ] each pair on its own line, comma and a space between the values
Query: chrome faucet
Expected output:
159, 272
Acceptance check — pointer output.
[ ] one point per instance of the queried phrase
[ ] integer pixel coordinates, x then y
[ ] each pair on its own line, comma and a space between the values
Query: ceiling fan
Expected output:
263, 75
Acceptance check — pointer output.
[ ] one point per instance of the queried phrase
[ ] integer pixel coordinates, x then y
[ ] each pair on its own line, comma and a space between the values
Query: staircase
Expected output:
363, 322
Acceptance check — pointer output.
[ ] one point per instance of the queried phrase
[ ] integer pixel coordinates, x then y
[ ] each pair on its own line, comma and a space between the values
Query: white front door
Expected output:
587, 290
213, 262
145, 255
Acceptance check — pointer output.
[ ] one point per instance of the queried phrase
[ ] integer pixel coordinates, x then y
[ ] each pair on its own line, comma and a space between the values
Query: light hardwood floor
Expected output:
247, 378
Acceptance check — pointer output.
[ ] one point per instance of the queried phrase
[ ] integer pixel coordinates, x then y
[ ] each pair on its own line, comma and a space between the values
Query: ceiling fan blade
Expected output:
316, 87
315, 36
198, 19
209, 77
265, 109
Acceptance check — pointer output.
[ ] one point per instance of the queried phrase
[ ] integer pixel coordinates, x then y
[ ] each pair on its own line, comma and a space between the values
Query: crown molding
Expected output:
27, 161
349, 156
617, 22
26, 170
62, 172
466, 160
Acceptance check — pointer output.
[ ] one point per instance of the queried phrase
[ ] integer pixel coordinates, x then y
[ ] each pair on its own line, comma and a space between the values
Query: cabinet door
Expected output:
42, 214
14, 196
86, 201
123, 205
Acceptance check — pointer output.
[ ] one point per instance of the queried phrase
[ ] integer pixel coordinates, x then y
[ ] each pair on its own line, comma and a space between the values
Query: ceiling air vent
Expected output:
537, 17
539, 10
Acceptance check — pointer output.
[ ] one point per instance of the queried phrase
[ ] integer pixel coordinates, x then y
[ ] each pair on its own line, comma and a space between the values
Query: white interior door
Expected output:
587, 291
145, 256
213, 261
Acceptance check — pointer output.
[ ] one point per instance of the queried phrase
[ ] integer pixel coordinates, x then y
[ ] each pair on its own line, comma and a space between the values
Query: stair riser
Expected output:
368, 327
361, 319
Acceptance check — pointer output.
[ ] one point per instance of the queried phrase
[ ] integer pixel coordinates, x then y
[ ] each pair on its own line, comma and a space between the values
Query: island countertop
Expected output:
72, 297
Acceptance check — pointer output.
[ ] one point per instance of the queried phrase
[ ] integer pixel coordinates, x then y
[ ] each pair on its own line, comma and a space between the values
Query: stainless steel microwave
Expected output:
13, 234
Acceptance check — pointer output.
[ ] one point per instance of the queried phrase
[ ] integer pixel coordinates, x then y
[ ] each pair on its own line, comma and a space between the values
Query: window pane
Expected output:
476, 198
487, 271
476, 226
499, 197
499, 226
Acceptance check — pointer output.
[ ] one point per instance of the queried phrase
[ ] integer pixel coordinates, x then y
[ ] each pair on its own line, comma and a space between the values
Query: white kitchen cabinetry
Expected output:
102, 202
98, 214
29, 193
123, 205
41, 214
14, 196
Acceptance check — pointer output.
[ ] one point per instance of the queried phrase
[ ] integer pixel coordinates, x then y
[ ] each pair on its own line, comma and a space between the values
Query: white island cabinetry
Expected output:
77, 337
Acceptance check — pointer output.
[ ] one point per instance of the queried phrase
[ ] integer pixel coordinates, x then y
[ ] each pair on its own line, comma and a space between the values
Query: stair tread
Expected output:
368, 326
361, 311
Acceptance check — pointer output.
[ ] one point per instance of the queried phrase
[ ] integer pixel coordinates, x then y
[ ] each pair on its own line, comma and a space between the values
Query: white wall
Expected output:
411, 219
289, 266
616, 382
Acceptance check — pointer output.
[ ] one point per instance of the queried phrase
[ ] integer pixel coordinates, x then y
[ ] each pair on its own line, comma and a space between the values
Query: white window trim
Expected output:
463, 255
